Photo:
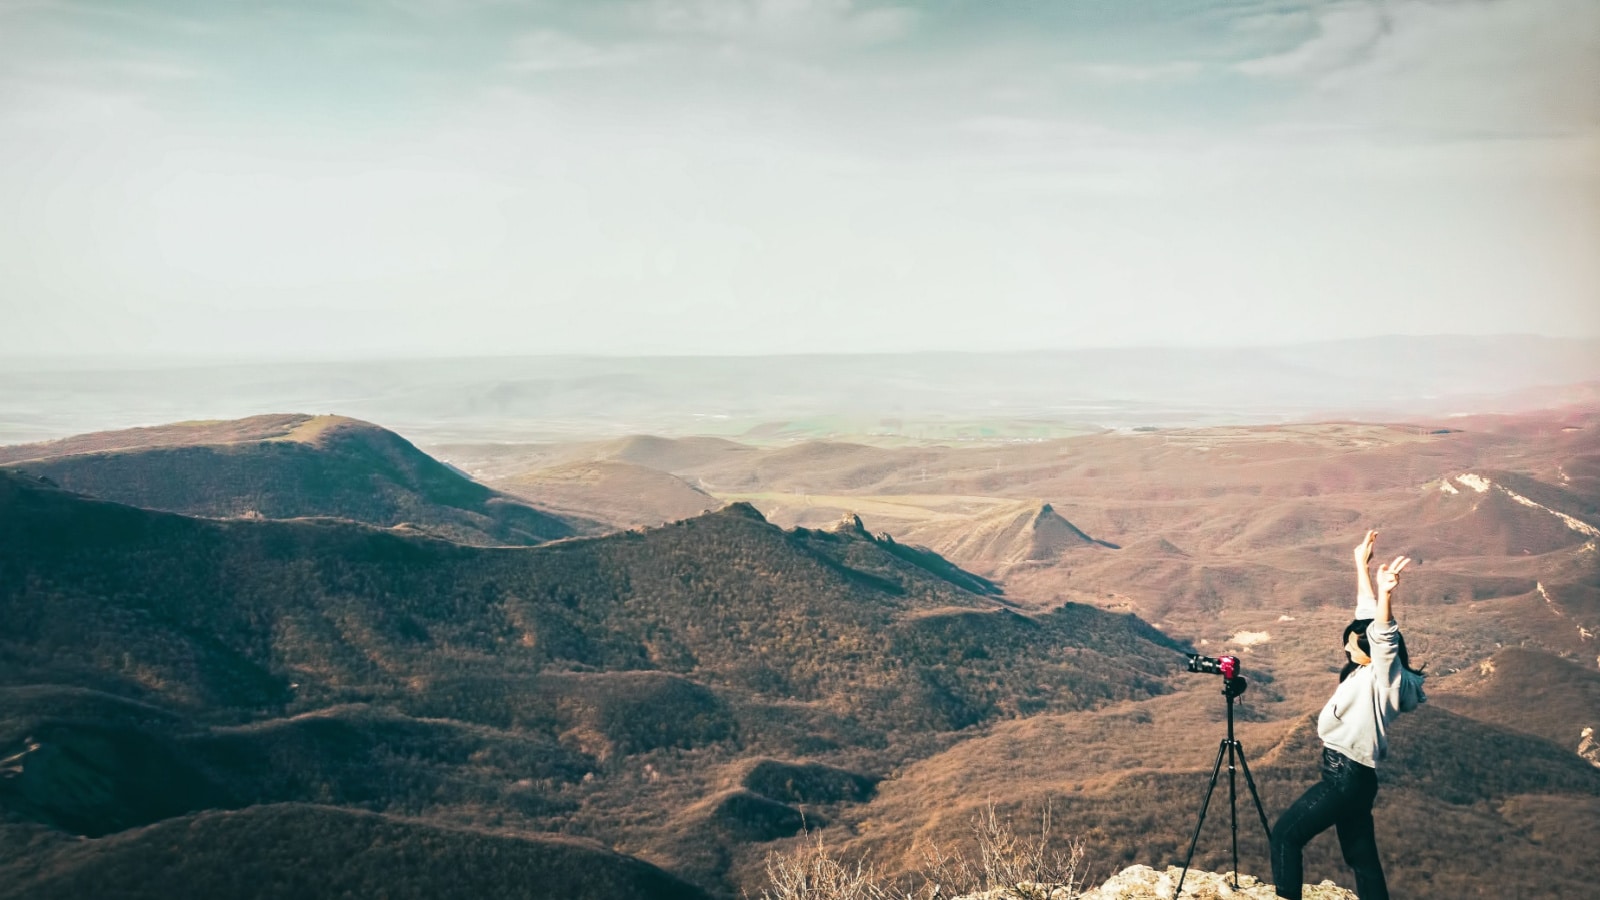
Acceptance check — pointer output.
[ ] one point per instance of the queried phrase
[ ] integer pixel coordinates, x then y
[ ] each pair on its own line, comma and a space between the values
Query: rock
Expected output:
850, 524
1145, 883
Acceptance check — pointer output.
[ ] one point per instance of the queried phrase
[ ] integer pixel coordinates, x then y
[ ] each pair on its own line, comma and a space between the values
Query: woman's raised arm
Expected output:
1388, 578
1365, 602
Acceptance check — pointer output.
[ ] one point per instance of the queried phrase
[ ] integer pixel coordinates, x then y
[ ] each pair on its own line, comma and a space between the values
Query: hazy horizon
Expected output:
929, 395
160, 359
760, 177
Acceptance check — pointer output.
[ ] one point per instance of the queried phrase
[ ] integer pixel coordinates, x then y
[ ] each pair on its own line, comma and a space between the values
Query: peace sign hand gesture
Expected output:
1389, 573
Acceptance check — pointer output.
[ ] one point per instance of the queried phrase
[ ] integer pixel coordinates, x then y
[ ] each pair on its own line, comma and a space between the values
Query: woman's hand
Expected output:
1363, 554
1388, 577
1389, 574
1364, 549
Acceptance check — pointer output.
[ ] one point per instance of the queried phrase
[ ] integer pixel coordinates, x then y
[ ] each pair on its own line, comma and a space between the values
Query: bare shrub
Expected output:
1040, 865
811, 872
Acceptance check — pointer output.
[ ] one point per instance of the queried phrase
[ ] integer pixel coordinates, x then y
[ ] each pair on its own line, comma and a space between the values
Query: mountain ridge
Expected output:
717, 639
288, 466
320, 851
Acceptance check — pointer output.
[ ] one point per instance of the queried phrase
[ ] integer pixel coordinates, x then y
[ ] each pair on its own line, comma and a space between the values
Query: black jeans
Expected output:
1343, 799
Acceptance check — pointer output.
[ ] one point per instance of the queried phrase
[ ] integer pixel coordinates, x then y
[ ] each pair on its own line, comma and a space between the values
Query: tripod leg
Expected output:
1216, 767
1255, 796
1233, 807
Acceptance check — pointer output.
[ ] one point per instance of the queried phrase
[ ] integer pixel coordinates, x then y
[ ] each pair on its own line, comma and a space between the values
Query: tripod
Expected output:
1231, 688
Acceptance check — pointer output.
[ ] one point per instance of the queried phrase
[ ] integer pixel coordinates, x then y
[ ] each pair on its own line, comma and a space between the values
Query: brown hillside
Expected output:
1530, 691
670, 454
1132, 795
292, 427
1439, 525
632, 670
299, 852
621, 494
372, 606
815, 466
1028, 533
281, 467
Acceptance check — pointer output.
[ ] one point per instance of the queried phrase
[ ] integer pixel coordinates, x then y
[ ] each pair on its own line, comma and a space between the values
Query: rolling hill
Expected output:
299, 851
287, 466
242, 607
1030, 533
599, 686
1530, 691
620, 494
668, 454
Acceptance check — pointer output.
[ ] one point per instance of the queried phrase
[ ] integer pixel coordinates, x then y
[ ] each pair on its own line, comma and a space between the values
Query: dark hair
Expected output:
1358, 627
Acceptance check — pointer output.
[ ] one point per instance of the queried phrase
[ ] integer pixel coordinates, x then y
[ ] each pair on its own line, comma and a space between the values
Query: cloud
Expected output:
1345, 34
89, 93
779, 21
47, 106
547, 50
1485, 68
1423, 68
1026, 128
1113, 73
64, 66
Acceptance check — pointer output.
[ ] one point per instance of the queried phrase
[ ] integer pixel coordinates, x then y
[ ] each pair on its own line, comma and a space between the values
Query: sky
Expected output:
485, 177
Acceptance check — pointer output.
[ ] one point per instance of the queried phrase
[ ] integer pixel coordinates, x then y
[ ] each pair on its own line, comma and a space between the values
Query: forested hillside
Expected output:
157, 664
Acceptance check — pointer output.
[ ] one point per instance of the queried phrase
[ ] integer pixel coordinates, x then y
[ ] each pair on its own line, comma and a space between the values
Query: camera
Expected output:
1226, 666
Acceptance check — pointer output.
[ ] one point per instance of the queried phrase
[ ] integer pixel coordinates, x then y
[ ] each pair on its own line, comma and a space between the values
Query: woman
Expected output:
1376, 685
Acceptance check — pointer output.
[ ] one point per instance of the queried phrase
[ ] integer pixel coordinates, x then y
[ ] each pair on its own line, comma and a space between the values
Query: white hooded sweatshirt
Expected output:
1356, 720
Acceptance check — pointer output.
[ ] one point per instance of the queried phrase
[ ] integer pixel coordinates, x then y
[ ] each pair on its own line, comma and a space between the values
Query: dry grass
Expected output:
812, 872
1000, 864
